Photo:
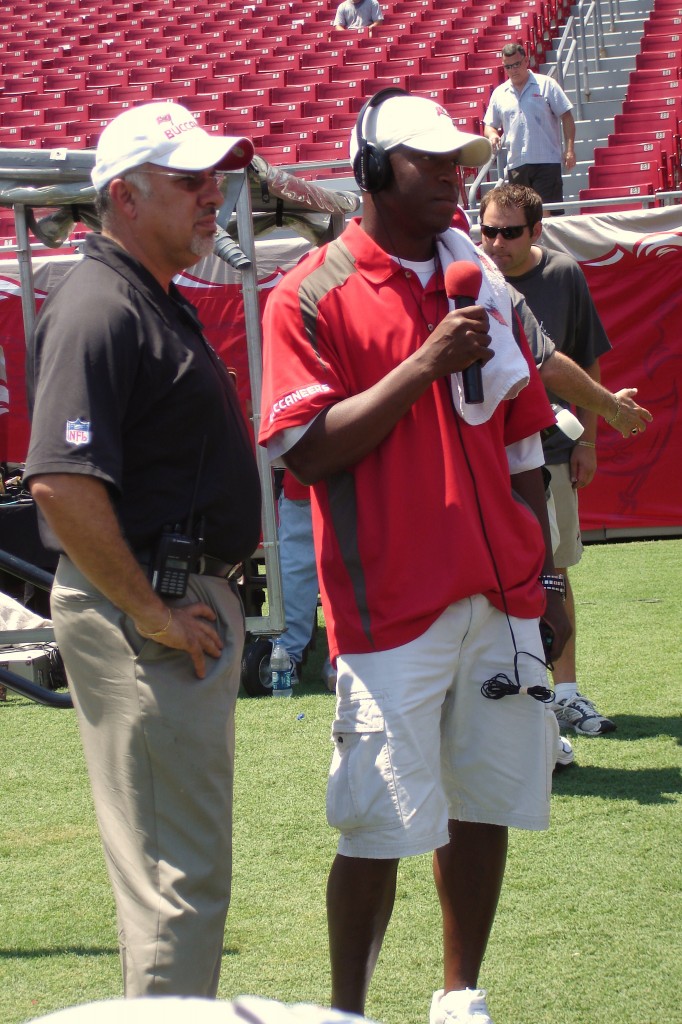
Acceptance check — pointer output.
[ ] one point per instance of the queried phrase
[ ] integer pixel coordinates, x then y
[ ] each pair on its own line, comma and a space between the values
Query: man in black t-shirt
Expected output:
556, 291
137, 431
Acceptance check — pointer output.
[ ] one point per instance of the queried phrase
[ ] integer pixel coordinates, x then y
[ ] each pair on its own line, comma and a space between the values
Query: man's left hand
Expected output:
583, 465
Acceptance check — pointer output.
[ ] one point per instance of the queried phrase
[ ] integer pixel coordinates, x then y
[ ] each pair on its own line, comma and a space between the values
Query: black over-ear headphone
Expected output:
371, 165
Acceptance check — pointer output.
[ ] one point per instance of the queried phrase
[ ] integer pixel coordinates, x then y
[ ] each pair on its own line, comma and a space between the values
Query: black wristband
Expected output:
553, 581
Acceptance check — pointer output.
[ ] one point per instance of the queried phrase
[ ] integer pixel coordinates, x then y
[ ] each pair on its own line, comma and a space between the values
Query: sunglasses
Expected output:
189, 182
513, 231
511, 67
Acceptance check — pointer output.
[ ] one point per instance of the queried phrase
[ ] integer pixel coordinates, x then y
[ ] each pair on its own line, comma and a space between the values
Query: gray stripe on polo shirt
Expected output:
338, 266
343, 504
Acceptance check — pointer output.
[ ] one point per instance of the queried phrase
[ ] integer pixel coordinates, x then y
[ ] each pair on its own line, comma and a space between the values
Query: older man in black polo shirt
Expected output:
137, 433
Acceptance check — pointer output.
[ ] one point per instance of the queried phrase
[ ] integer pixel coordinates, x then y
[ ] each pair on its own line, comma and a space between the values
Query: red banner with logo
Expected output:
633, 265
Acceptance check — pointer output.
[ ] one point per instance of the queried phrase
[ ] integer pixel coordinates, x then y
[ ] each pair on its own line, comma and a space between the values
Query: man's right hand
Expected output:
186, 629
630, 418
459, 340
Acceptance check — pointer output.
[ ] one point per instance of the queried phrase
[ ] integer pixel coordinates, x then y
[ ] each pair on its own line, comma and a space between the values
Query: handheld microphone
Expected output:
462, 284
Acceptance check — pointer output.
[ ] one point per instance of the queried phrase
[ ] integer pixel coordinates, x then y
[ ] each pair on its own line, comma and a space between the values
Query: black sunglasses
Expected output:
514, 231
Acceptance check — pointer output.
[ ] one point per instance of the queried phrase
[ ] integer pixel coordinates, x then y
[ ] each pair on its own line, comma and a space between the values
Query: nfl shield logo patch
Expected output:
78, 432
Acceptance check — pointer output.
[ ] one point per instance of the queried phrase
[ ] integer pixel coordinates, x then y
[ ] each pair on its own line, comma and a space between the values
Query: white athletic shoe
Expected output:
565, 755
467, 1006
580, 714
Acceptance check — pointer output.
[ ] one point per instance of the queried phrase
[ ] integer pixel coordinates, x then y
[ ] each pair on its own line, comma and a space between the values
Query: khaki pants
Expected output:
159, 747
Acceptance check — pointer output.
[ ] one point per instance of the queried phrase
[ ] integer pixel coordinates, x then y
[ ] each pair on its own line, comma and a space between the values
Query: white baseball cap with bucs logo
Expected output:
168, 135
421, 124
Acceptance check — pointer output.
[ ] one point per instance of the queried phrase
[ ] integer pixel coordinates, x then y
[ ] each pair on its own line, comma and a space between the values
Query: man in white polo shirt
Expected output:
530, 111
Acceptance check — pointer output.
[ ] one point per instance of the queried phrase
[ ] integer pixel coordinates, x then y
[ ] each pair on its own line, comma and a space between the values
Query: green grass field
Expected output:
590, 919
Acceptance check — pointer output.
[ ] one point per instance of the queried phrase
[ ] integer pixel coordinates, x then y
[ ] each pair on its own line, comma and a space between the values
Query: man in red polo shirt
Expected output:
433, 571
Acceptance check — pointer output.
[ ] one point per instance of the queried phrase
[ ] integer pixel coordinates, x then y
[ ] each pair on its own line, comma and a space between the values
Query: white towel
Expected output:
507, 372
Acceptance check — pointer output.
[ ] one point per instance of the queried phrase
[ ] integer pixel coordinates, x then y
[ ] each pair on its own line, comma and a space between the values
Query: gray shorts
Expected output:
570, 548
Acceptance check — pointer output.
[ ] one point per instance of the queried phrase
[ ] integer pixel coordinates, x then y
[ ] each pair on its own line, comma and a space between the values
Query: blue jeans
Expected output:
299, 574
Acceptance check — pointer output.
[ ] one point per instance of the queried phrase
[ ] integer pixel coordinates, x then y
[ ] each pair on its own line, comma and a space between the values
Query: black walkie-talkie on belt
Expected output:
177, 553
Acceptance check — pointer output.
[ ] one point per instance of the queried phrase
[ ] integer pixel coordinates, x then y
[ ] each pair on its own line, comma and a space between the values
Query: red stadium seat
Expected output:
328, 106
657, 103
665, 138
647, 121
637, 152
412, 50
19, 118
177, 91
633, 151
105, 79
662, 88
262, 79
653, 75
340, 90
487, 77
363, 54
235, 123
64, 112
658, 59
435, 80
307, 76
308, 125
644, 172
319, 60
637, 193
278, 154
388, 34
351, 72
433, 16
483, 59
420, 31
665, 41
185, 70
342, 120
293, 93
449, 63
286, 138
23, 86
10, 102
389, 68
277, 112
447, 47
663, 23
329, 152
374, 85
139, 76
341, 135
141, 93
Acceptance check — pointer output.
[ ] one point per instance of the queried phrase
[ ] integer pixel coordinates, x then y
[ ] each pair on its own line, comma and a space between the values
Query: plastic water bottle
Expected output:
566, 423
280, 669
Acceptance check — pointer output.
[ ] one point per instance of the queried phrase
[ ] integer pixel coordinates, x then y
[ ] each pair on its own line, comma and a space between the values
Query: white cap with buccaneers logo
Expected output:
420, 123
168, 135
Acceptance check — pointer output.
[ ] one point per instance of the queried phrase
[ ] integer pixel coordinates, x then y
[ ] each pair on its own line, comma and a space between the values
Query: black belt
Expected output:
206, 565
210, 566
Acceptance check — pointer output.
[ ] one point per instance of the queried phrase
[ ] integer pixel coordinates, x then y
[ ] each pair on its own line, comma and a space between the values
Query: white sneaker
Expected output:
565, 755
580, 714
467, 1006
